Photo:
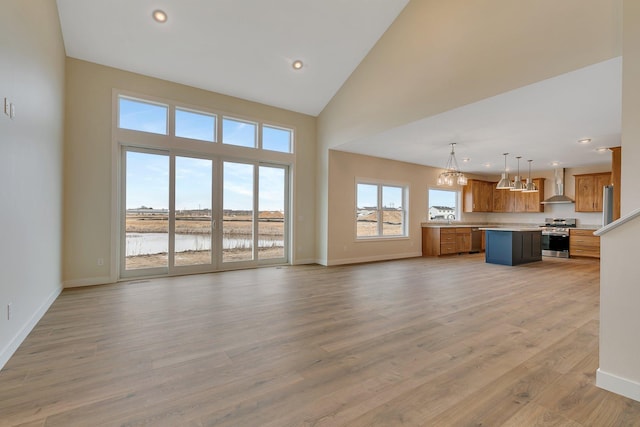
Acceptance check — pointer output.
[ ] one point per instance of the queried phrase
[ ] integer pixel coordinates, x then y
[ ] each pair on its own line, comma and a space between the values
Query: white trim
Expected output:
15, 342
88, 281
305, 261
617, 223
618, 385
373, 258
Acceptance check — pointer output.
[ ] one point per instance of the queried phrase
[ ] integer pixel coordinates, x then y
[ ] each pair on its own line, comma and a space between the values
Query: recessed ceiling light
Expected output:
584, 141
555, 163
297, 64
602, 149
159, 16
466, 160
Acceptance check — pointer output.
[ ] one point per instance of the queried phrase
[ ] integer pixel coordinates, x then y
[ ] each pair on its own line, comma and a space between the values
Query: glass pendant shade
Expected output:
452, 174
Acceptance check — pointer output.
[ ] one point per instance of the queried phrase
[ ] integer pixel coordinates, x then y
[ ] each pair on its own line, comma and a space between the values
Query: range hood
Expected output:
558, 189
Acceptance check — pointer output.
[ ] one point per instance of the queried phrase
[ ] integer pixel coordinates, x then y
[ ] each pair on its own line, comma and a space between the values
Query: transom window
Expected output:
143, 116
239, 132
380, 210
158, 118
195, 125
276, 139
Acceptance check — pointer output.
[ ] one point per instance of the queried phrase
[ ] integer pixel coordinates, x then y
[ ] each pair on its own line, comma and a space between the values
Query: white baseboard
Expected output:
13, 345
87, 282
385, 257
305, 261
618, 385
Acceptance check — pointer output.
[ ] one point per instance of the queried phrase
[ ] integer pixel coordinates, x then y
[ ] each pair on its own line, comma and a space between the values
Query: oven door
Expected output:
555, 244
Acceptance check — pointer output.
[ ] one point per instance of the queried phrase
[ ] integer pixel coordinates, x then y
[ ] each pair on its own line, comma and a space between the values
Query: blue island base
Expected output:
513, 247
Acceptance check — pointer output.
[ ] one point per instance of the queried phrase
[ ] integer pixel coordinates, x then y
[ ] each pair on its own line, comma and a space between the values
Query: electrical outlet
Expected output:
100, 261
9, 311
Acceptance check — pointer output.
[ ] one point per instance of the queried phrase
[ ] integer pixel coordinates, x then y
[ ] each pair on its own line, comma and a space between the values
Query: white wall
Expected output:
619, 369
631, 108
439, 55
31, 146
88, 163
345, 168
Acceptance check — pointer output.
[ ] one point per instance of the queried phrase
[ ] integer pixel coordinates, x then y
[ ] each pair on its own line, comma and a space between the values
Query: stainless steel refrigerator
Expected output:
607, 204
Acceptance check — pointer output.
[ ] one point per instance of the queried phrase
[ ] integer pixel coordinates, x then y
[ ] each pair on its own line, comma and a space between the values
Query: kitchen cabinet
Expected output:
589, 191
478, 196
463, 239
583, 243
438, 241
503, 200
530, 202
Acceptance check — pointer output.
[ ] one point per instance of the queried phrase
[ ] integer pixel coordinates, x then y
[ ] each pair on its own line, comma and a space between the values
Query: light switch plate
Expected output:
12, 110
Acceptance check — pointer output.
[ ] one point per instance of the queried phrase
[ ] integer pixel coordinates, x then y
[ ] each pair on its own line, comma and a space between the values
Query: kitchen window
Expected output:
443, 205
380, 210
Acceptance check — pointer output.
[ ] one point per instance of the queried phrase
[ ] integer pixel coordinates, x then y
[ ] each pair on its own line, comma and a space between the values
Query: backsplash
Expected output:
589, 219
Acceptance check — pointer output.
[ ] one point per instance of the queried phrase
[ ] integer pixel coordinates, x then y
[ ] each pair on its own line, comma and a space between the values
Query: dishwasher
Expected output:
476, 240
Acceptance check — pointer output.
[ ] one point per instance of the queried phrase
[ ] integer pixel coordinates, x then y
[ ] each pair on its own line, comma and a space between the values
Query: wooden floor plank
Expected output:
424, 341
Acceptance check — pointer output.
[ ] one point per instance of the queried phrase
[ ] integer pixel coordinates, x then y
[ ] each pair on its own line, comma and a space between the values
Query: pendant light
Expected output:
504, 183
452, 174
530, 187
517, 181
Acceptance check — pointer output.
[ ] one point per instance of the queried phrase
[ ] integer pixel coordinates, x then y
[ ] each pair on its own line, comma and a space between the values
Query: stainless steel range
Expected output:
555, 236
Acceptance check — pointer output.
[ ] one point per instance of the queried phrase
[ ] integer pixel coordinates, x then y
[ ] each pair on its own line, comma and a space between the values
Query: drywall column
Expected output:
619, 370
630, 195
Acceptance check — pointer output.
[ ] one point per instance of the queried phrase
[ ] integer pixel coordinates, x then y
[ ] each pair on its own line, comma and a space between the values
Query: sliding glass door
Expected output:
180, 216
193, 214
146, 216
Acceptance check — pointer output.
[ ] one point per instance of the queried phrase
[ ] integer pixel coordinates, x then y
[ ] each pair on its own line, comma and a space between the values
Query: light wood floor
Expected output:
420, 342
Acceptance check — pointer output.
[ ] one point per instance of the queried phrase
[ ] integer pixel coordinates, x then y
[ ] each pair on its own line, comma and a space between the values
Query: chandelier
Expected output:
452, 174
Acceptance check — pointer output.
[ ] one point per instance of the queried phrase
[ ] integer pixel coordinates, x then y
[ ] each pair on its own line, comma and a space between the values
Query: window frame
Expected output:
276, 127
168, 116
124, 139
458, 210
380, 185
215, 117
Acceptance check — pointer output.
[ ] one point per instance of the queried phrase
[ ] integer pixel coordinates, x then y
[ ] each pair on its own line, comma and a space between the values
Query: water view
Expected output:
157, 243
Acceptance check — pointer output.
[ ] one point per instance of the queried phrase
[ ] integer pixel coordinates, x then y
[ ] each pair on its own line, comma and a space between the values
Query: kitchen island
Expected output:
513, 246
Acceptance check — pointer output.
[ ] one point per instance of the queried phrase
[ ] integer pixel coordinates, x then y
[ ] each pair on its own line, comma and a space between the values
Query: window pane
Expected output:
237, 132
237, 220
392, 211
271, 199
367, 210
200, 126
142, 116
193, 211
443, 205
276, 139
147, 216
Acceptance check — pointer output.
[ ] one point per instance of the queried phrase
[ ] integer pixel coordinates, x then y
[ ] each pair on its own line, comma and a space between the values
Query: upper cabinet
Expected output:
483, 196
503, 200
478, 196
530, 202
589, 191
517, 201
